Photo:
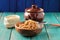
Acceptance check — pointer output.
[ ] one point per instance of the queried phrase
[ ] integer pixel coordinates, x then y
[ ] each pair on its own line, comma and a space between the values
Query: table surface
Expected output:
48, 32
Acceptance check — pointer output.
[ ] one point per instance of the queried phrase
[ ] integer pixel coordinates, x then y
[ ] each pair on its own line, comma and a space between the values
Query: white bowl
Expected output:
11, 20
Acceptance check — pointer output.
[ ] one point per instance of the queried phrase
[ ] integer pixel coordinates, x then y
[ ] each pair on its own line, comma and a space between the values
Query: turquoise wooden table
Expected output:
48, 32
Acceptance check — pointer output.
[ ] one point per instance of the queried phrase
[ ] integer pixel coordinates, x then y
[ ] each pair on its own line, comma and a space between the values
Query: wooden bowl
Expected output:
25, 32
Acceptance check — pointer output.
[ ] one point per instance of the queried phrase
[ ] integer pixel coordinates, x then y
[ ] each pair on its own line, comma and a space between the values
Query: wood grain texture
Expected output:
16, 36
50, 18
41, 36
21, 14
57, 15
53, 32
0, 15
4, 32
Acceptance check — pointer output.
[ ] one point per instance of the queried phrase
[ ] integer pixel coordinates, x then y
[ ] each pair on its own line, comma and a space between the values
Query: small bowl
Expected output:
25, 32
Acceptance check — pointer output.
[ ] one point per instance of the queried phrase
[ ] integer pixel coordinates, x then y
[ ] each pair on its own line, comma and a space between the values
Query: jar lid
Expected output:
33, 9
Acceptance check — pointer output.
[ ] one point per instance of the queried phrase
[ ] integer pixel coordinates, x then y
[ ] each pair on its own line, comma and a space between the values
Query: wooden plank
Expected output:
50, 18
4, 32
53, 32
0, 15
15, 35
21, 14
41, 36
57, 15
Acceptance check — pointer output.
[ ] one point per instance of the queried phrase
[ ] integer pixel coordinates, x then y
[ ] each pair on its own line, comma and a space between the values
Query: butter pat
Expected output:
11, 20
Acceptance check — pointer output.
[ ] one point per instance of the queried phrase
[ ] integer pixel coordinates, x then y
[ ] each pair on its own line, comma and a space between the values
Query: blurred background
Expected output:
20, 5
